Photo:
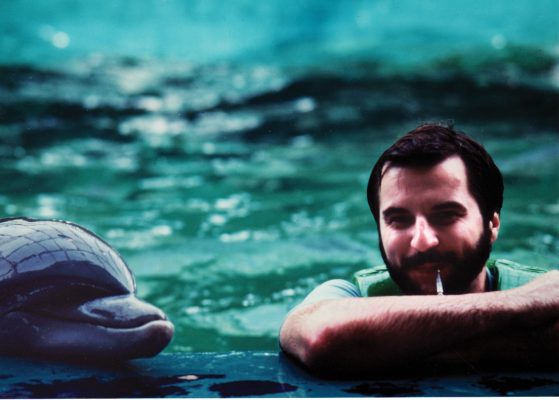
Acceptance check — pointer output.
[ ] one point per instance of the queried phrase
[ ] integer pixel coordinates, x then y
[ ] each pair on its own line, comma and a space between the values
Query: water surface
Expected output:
232, 177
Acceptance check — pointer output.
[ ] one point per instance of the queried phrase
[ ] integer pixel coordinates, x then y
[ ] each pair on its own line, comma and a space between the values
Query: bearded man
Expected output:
436, 196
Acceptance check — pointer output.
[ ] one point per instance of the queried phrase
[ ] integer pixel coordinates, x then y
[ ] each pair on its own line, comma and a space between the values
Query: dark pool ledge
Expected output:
240, 374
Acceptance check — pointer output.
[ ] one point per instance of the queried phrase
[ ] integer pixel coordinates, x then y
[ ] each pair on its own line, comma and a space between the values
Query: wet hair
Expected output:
430, 144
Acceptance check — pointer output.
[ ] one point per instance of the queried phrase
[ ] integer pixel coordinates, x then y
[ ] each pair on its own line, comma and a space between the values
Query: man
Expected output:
436, 196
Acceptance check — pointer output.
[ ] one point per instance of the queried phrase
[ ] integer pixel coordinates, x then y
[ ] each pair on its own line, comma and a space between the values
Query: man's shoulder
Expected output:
510, 274
331, 290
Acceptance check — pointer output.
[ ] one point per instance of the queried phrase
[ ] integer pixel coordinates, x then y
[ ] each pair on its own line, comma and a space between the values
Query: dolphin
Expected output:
67, 294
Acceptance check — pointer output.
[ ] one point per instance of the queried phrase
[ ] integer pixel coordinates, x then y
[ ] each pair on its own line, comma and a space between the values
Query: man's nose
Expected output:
424, 237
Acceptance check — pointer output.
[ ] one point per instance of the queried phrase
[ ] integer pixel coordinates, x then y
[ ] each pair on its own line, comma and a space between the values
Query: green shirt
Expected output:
376, 281
503, 275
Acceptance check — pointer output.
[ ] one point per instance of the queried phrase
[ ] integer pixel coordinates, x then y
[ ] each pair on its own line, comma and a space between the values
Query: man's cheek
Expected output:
394, 247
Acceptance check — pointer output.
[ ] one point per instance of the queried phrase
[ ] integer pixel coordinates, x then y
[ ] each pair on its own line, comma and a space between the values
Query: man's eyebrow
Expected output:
449, 205
393, 211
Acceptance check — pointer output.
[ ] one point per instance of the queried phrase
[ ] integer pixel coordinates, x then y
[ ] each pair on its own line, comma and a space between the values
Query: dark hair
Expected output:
428, 145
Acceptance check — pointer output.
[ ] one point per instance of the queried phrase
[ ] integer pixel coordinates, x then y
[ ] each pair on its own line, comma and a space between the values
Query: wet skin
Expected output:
429, 221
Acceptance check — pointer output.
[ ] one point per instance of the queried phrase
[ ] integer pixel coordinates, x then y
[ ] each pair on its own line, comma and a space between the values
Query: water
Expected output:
224, 148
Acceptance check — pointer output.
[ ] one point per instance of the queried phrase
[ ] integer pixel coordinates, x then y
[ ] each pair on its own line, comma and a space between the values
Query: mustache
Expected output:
429, 257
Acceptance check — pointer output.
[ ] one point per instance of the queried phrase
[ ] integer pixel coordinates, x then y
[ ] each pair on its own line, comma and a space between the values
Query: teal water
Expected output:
224, 147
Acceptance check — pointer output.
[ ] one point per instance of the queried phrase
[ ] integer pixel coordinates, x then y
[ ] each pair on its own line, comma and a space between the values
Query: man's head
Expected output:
436, 195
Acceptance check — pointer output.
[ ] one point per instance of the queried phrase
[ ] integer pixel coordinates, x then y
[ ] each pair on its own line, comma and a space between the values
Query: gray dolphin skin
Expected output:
66, 293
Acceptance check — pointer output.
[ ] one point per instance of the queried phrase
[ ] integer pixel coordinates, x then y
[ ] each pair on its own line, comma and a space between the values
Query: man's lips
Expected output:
420, 273
428, 260
426, 267
427, 270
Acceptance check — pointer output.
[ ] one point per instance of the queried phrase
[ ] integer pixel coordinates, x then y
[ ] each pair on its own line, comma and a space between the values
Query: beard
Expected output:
462, 270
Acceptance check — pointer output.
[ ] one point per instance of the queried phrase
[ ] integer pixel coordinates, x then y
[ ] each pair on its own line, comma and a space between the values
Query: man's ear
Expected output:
494, 225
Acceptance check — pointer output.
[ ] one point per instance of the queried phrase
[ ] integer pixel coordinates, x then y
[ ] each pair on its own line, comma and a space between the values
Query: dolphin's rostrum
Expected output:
66, 293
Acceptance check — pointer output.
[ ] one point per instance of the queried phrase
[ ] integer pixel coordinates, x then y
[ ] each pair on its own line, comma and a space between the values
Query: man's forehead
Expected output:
453, 165
446, 177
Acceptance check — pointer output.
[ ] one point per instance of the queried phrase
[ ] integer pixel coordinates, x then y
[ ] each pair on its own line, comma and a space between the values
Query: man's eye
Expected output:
444, 218
400, 221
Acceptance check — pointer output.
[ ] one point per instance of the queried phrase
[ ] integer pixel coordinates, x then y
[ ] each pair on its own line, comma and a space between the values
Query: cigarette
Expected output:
439, 283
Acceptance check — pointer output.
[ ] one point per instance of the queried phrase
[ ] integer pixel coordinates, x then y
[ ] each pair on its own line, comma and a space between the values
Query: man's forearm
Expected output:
376, 333
534, 347
384, 331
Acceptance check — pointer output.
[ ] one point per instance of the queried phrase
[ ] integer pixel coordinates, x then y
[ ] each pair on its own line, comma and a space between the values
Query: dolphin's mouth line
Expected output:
84, 341
29, 294
77, 320
61, 319
82, 303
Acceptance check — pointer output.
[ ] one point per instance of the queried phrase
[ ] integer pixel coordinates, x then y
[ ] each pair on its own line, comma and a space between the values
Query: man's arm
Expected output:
368, 334
528, 348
